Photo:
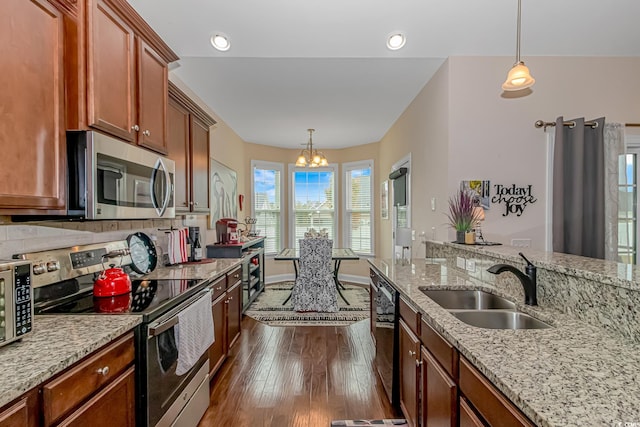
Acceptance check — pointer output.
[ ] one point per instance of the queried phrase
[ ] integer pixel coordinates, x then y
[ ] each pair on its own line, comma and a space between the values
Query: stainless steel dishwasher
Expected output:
387, 339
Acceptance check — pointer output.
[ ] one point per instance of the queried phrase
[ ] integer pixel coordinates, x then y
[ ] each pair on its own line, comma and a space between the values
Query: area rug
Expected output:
268, 308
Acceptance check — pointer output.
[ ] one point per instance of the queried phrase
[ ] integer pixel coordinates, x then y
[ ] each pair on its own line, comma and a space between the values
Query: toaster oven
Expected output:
16, 300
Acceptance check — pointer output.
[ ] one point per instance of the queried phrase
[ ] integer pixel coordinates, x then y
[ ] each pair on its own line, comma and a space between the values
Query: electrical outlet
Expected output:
521, 243
461, 262
413, 234
471, 265
190, 220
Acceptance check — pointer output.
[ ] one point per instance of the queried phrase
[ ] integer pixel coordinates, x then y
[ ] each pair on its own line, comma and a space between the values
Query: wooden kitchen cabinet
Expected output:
226, 307
188, 146
89, 381
127, 79
409, 373
25, 412
32, 128
439, 394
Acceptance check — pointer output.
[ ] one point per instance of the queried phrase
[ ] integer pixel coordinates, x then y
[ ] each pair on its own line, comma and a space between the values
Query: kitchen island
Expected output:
572, 374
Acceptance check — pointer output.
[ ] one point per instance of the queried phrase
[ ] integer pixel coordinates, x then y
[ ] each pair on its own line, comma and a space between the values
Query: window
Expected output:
358, 215
266, 183
627, 214
312, 201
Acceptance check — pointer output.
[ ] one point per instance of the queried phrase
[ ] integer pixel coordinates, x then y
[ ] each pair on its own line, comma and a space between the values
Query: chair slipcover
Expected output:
315, 289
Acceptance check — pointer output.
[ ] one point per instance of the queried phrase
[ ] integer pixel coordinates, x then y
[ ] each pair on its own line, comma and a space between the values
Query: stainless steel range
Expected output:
63, 282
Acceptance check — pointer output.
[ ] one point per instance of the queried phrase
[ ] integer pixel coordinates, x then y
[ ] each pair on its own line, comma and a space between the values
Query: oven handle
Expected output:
387, 294
174, 320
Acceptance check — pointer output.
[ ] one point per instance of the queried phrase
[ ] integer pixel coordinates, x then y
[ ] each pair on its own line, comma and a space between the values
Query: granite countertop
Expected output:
572, 374
603, 271
56, 343
206, 269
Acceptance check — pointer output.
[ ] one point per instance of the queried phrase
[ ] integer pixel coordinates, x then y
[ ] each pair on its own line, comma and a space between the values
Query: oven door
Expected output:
166, 392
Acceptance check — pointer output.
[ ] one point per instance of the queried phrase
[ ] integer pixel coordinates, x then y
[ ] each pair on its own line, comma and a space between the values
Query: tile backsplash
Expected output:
18, 238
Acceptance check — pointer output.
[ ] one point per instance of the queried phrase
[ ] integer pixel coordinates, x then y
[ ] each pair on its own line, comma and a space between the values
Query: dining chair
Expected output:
314, 289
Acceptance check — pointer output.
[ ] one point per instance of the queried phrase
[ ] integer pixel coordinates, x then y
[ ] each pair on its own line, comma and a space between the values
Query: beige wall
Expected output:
460, 127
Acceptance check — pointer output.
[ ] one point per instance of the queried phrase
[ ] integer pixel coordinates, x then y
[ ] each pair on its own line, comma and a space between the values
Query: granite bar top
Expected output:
572, 374
603, 271
56, 343
209, 268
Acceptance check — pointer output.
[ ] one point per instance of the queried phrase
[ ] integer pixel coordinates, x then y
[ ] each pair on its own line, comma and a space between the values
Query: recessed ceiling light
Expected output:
221, 42
395, 41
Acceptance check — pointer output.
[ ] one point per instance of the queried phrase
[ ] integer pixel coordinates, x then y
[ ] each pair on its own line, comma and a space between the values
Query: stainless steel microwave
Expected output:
111, 179
16, 301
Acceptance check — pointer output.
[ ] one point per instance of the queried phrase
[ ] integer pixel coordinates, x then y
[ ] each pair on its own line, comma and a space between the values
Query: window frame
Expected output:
345, 212
333, 167
265, 165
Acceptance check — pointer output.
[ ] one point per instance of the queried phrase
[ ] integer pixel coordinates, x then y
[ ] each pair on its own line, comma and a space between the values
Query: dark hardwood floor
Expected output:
297, 377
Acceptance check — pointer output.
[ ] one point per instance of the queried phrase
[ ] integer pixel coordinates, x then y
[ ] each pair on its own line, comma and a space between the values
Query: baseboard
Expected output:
289, 277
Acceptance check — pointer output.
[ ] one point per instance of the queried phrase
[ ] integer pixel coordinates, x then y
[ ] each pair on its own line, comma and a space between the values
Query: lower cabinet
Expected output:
25, 412
99, 390
439, 388
226, 307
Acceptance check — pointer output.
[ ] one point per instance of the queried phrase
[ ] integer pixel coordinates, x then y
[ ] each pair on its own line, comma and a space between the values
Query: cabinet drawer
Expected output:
442, 351
112, 406
83, 379
490, 403
234, 277
410, 316
218, 287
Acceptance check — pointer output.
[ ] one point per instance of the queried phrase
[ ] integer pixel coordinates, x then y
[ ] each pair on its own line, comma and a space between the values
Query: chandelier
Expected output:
310, 157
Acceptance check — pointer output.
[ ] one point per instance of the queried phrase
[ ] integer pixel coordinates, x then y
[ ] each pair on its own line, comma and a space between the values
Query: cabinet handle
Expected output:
226, 301
103, 371
412, 353
196, 203
219, 288
230, 298
146, 132
418, 363
191, 203
235, 276
135, 128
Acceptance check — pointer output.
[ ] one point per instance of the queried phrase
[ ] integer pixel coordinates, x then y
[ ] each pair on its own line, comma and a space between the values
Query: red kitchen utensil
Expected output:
111, 282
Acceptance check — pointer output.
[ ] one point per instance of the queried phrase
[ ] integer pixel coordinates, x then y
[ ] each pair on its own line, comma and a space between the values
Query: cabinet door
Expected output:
110, 80
468, 417
218, 350
199, 165
439, 394
152, 98
409, 373
234, 312
23, 413
112, 406
178, 150
32, 129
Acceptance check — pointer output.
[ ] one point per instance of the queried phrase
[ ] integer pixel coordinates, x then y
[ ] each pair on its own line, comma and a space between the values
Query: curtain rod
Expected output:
572, 124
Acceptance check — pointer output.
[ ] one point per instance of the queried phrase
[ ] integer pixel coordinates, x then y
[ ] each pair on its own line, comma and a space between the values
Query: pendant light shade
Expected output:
519, 76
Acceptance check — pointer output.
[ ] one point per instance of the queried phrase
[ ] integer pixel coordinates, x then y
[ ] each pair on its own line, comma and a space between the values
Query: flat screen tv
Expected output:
399, 179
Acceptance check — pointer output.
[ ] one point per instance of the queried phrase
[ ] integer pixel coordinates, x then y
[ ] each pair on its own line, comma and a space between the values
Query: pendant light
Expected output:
310, 157
519, 76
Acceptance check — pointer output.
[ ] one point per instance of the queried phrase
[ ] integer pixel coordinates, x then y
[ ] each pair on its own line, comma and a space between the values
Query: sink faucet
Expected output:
528, 280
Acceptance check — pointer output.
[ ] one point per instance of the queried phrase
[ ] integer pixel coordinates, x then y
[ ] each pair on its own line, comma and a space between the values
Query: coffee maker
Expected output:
227, 231
196, 246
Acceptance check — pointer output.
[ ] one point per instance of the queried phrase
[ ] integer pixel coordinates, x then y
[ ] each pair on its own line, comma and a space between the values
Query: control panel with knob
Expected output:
39, 268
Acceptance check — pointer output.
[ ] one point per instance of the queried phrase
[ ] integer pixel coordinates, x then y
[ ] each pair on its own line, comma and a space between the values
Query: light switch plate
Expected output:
521, 243
461, 263
471, 265
433, 204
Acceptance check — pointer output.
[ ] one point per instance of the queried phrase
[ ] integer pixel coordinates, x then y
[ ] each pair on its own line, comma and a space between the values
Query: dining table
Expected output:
337, 256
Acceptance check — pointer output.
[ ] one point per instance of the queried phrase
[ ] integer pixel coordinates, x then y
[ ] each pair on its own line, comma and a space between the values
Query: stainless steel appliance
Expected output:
16, 308
111, 179
387, 338
164, 398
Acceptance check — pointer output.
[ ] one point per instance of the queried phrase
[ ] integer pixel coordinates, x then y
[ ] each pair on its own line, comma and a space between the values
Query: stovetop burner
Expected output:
146, 296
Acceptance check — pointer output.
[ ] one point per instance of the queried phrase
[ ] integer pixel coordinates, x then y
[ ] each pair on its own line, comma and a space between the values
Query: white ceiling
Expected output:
296, 64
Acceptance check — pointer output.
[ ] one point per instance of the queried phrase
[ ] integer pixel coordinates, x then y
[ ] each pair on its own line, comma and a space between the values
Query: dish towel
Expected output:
194, 333
177, 247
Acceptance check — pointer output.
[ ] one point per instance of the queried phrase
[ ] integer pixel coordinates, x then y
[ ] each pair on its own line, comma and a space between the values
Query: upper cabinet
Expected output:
127, 75
188, 146
32, 127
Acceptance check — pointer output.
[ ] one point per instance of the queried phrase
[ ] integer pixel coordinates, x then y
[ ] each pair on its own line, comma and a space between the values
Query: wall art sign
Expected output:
514, 198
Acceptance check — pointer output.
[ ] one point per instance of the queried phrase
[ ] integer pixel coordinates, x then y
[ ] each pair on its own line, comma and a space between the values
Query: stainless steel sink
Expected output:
499, 319
468, 300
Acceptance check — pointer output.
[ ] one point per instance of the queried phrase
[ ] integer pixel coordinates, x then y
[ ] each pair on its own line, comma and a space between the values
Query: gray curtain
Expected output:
578, 189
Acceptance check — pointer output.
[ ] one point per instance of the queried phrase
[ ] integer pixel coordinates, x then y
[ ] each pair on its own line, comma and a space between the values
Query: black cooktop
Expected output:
146, 297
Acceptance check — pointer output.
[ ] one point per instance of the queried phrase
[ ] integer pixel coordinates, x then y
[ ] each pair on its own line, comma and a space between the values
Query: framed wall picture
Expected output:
223, 184
384, 200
